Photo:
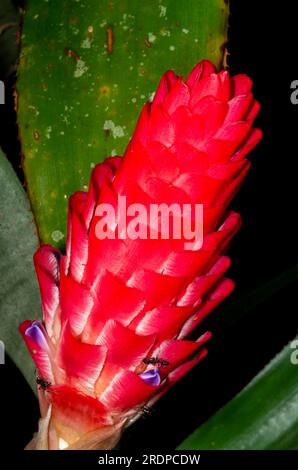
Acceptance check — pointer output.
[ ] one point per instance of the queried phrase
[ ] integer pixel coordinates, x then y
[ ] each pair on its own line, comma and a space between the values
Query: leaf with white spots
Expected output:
86, 69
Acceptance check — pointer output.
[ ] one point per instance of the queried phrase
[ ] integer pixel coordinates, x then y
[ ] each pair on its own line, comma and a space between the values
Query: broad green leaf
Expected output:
86, 69
19, 295
263, 416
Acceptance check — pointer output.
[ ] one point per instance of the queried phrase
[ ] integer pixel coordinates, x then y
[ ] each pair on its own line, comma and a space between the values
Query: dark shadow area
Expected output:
19, 409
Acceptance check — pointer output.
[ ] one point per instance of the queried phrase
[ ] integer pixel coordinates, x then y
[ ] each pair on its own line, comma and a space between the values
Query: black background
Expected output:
263, 43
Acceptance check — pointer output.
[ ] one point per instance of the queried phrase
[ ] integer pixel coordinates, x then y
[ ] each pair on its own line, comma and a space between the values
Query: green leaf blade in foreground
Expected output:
263, 416
19, 295
86, 69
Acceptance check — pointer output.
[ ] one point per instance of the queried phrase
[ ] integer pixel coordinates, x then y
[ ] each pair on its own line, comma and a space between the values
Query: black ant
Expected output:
146, 411
44, 384
156, 361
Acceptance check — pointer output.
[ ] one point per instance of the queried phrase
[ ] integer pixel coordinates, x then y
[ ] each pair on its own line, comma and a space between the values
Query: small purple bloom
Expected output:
151, 377
36, 333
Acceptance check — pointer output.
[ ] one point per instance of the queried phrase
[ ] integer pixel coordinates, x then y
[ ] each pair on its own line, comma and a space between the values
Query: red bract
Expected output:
118, 312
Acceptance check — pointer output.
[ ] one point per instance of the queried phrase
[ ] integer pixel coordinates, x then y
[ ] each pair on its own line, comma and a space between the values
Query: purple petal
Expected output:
36, 333
151, 377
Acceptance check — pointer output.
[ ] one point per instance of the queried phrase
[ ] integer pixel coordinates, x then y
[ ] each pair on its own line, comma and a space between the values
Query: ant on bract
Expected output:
146, 411
43, 383
156, 361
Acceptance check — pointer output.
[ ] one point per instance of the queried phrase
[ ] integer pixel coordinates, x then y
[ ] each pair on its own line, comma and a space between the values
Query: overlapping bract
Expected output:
108, 304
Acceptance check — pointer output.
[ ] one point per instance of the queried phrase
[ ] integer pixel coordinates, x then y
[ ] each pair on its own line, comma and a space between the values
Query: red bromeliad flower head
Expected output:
118, 311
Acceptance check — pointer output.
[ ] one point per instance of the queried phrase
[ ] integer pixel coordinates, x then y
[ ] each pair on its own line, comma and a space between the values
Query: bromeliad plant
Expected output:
118, 312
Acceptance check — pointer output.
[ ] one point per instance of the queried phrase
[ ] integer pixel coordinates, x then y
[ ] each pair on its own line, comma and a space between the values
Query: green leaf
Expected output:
19, 295
263, 416
80, 94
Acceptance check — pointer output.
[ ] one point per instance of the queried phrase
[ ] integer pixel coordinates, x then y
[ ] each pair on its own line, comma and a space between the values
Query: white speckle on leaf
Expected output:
134, 100
116, 131
86, 43
162, 10
48, 132
172, 48
81, 68
62, 133
103, 23
65, 120
165, 32
142, 97
57, 235
113, 153
185, 31
92, 165
35, 17
151, 37
33, 109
